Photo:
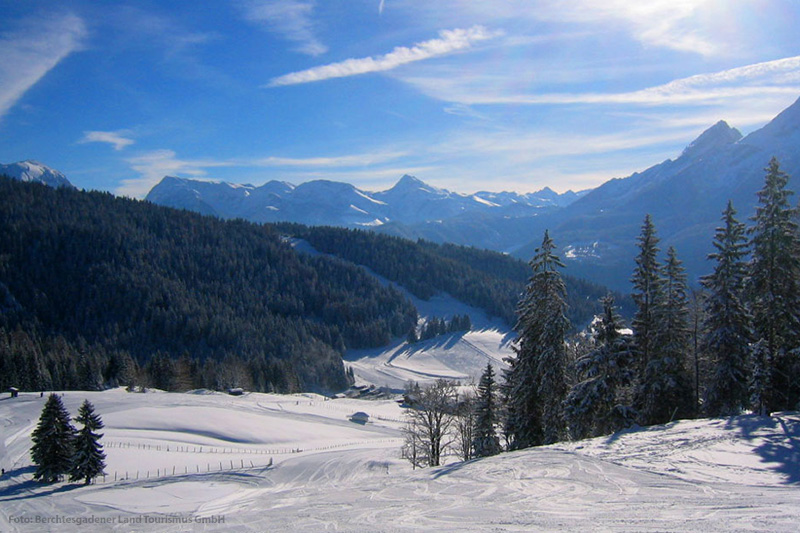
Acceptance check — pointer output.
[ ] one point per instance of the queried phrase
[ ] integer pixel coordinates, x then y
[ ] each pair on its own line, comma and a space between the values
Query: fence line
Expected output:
166, 448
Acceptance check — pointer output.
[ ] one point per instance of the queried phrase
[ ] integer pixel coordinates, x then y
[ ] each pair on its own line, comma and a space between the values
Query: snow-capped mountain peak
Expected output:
717, 136
324, 202
33, 171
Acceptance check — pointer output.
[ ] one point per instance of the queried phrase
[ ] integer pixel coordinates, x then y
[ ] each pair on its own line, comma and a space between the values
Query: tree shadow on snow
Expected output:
780, 448
449, 469
29, 488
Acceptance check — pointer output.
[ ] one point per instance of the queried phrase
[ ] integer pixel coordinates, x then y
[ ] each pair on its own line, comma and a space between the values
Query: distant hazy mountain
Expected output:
330, 203
35, 172
685, 197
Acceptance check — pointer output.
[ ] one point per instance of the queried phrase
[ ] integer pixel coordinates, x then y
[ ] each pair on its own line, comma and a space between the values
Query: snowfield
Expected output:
263, 462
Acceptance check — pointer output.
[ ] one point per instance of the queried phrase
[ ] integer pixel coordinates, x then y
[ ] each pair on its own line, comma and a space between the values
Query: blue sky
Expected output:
467, 95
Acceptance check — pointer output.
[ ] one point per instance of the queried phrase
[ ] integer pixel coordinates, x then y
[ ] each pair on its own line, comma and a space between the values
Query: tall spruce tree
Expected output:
485, 441
665, 391
537, 384
88, 462
646, 282
592, 406
727, 324
53, 442
774, 287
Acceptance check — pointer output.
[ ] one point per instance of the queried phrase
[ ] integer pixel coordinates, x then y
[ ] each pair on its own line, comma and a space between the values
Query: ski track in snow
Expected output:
307, 468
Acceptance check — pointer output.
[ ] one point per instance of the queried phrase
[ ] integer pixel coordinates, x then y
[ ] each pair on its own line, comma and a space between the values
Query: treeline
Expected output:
488, 280
733, 349
98, 291
439, 326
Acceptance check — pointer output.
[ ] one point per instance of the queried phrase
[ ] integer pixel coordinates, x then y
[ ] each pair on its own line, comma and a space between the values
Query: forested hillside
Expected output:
482, 278
97, 290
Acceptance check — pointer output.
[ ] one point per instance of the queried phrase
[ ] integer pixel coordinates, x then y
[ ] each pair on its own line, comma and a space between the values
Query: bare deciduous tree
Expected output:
429, 422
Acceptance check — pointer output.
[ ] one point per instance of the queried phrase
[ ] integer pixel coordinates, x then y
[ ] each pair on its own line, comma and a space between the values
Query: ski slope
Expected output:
264, 462
459, 356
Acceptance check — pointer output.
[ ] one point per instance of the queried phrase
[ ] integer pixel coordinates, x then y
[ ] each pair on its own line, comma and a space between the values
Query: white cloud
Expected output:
32, 49
114, 138
449, 41
357, 160
671, 24
291, 19
685, 25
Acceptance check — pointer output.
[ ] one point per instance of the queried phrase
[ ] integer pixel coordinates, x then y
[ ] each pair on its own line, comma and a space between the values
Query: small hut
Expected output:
359, 418
14, 392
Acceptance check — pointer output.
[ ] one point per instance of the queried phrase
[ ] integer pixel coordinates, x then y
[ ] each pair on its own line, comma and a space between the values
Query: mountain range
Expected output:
595, 230
331, 203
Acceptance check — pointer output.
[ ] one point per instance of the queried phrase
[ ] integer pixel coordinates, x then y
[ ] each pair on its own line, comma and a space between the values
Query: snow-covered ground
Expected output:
330, 474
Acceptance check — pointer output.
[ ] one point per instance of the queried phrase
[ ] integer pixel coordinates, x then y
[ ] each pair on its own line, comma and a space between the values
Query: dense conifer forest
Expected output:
481, 278
98, 291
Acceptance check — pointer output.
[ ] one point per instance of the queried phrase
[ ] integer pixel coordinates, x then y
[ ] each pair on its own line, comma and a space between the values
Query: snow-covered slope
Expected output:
330, 474
35, 172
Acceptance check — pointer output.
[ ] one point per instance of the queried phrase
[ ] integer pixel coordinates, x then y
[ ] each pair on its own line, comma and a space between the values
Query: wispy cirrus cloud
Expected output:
779, 77
356, 160
291, 19
33, 48
116, 139
449, 41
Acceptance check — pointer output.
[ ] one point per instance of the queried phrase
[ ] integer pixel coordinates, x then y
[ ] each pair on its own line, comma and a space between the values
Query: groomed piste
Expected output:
258, 462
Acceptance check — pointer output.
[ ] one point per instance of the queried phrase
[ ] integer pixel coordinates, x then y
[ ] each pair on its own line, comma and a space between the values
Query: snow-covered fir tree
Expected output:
53, 441
646, 282
727, 323
593, 405
536, 378
88, 462
774, 287
665, 391
485, 441
760, 378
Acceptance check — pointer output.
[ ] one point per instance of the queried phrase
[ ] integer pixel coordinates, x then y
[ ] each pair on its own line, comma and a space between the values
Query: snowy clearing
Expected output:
330, 474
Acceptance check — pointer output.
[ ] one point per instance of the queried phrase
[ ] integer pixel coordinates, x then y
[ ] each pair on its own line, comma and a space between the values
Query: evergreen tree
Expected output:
647, 288
485, 441
727, 324
53, 441
774, 287
537, 384
89, 459
592, 406
760, 378
665, 391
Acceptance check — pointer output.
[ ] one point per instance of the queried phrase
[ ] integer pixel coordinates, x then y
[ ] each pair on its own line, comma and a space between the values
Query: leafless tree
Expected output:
430, 420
